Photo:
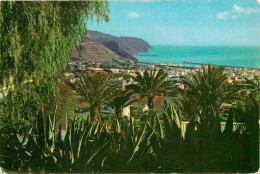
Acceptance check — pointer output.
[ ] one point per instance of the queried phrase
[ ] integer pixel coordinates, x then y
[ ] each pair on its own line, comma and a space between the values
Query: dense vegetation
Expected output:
36, 40
153, 144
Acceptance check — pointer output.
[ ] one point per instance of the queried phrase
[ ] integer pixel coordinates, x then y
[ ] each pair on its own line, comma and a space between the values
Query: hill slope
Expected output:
96, 52
125, 47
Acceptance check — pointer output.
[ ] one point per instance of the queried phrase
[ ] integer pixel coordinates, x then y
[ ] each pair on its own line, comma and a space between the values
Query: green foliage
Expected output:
86, 147
139, 144
149, 84
248, 112
38, 148
123, 99
95, 89
206, 91
131, 151
36, 42
66, 102
168, 141
107, 146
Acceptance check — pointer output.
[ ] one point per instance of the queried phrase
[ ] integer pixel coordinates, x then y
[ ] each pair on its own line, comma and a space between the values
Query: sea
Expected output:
245, 56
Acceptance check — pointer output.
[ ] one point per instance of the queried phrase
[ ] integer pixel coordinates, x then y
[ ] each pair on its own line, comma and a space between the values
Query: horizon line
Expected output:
206, 45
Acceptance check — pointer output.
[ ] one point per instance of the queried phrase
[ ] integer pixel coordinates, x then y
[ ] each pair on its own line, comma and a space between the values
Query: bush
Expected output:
129, 146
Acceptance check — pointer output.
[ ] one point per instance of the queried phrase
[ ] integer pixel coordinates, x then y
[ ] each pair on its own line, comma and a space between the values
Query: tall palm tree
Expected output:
150, 84
95, 89
206, 90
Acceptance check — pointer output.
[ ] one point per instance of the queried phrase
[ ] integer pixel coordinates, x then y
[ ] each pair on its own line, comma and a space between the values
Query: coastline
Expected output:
228, 56
231, 66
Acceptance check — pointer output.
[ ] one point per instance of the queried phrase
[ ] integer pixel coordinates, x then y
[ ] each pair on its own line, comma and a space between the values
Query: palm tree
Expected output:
122, 100
150, 84
206, 90
95, 89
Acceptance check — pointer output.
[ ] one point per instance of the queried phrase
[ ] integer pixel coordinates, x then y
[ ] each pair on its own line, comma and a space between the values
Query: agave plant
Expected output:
38, 148
167, 144
131, 150
15, 153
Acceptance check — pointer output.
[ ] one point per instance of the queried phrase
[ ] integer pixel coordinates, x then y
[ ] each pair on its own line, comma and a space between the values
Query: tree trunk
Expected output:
118, 112
93, 114
150, 103
151, 109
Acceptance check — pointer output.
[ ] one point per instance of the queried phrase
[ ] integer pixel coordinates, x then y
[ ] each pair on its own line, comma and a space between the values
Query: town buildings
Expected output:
175, 72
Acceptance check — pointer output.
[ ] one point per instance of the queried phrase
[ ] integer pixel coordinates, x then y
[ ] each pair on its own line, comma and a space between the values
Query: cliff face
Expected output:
96, 52
105, 48
125, 47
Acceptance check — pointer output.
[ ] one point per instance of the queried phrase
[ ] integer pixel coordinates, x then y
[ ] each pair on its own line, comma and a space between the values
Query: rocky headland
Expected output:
102, 48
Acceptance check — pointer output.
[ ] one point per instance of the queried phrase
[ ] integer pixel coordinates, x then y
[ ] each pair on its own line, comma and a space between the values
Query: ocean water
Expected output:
219, 55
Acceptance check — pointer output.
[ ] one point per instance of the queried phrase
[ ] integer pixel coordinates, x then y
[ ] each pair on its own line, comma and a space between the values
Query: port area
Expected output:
231, 66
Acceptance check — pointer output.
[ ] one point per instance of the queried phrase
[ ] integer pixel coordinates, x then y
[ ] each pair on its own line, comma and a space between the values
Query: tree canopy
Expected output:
150, 84
36, 42
95, 89
207, 90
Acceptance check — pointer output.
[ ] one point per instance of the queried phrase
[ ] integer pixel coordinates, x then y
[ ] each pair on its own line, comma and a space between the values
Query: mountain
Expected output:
126, 47
96, 52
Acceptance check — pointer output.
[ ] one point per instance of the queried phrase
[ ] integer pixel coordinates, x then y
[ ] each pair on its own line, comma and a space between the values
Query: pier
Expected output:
149, 63
147, 55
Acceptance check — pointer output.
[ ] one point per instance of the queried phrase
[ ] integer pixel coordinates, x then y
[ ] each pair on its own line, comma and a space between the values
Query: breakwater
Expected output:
231, 66
149, 63
224, 55
148, 55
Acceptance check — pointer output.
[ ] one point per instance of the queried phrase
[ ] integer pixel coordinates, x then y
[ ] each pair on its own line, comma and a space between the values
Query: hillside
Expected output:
96, 52
125, 47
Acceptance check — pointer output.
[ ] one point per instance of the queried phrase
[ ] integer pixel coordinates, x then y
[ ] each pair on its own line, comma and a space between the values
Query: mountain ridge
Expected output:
105, 48
96, 52
124, 46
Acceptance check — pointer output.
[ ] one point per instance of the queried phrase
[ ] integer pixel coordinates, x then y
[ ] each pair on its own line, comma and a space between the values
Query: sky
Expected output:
185, 22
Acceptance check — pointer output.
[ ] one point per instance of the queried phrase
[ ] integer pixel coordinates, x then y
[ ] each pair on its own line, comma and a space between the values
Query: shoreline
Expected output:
193, 65
197, 55
231, 66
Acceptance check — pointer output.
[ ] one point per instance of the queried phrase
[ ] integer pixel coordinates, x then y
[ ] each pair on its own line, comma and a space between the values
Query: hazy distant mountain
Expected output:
125, 47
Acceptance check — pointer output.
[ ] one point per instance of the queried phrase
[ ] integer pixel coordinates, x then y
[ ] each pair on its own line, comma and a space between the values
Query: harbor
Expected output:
231, 66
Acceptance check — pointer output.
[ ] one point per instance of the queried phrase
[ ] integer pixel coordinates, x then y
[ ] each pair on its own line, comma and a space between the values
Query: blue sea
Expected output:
245, 56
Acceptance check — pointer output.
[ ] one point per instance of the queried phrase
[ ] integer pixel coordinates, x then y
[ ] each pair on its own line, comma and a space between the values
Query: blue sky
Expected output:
191, 22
